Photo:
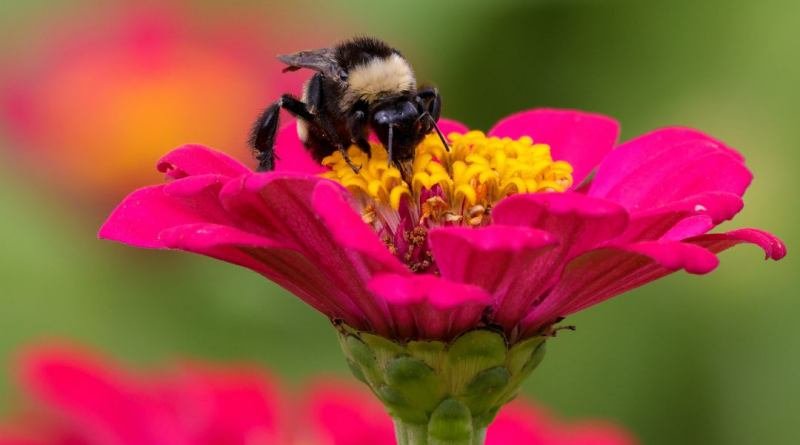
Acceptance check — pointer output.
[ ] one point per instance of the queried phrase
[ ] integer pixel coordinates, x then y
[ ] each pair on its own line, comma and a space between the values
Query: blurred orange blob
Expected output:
112, 91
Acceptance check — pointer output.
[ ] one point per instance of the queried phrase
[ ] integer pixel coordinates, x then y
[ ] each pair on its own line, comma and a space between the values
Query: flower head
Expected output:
82, 399
504, 230
103, 95
445, 279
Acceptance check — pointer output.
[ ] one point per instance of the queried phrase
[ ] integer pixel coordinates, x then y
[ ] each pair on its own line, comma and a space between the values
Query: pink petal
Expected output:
603, 273
332, 204
447, 126
523, 423
339, 414
426, 306
520, 423
356, 241
278, 262
580, 222
580, 138
691, 226
500, 259
191, 160
143, 214
442, 294
676, 256
668, 165
449, 242
773, 247
292, 155
654, 223
281, 206
226, 406
277, 205
101, 403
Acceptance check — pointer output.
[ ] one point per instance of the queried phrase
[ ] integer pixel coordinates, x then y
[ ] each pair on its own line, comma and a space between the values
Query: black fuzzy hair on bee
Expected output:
360, 85
360, 50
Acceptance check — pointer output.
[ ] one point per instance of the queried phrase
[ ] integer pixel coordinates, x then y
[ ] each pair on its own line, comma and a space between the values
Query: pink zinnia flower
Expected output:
82, 399
122, 84
531, 259
504, 233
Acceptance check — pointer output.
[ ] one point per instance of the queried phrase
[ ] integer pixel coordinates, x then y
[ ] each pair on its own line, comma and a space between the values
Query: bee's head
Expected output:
397, 125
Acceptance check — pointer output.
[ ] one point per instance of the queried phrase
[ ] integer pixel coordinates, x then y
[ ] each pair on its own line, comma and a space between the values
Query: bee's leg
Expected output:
389, 145
297, 108
358, 128
312, 93
314, 99
343, 150
430, 103
262, 138
334, 140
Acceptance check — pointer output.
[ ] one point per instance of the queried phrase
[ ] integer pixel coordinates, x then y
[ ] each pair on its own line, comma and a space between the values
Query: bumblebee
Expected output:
360, 85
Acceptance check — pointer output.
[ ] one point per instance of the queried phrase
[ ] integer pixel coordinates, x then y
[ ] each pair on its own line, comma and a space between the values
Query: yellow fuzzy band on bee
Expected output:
477, 171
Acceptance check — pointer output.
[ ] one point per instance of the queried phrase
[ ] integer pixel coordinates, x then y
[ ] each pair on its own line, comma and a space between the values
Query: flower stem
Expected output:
410, 434
414, 434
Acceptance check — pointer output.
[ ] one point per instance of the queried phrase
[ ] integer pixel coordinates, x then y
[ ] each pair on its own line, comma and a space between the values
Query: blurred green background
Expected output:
690, 360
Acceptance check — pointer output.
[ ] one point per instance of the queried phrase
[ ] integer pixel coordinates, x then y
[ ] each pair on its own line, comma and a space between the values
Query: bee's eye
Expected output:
382, 117
409, 110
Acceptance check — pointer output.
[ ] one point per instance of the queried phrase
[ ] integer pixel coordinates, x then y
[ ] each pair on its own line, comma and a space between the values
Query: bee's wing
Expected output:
322, 60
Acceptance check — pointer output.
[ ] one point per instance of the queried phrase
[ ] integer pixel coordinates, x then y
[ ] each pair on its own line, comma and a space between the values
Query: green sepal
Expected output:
356, 370
384, 349
400, 407
486, 418
431, 352
482, 393
362, 357
520, 354
450, 424
416, 381
443, 392
532, 361
473, 352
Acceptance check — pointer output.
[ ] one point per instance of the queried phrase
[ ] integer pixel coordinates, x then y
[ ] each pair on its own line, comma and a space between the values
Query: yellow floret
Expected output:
477, 171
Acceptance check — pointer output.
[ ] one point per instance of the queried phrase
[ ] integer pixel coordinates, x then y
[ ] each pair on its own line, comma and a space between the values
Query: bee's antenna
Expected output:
439, 132
389, 148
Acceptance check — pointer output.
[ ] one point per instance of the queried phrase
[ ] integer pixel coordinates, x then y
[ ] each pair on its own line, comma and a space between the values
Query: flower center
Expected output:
477, 172
440, 187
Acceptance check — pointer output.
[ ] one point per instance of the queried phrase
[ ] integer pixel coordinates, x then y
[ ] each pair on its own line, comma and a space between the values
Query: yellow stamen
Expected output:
477, 172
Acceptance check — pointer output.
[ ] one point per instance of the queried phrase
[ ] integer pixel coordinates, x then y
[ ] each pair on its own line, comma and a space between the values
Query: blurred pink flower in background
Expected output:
108, 90
81, 399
